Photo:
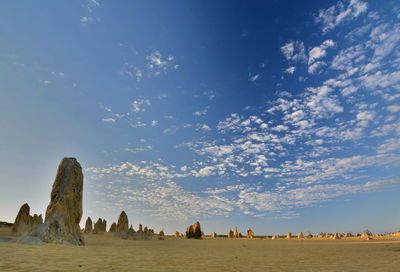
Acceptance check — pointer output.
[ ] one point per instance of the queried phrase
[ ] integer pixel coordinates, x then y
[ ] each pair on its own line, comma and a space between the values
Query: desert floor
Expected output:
108, 253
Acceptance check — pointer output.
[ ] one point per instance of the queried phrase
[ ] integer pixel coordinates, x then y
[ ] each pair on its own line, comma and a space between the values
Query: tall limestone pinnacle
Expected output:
64, 212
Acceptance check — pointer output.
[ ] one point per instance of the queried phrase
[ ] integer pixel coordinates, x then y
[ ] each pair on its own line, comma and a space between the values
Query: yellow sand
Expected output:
108, 253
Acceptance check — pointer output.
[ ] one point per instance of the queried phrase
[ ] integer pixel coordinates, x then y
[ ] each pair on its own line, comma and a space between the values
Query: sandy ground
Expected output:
108, 253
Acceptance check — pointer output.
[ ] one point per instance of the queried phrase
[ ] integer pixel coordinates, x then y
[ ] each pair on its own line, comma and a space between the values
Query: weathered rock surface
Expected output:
64, 212
177, 234
140, 229
122, 224
22, 223
288, 235
194, 231
88, 225
161, 233
336, 236
100, 226
230, 234
300, 235
36, 220
113, 227
214, 235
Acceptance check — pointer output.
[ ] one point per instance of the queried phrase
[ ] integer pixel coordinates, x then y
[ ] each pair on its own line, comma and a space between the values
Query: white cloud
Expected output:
389, 145
294, 51
111, 120
290, 70
319, 52
393, 108
202, 112
255, 77
137, 105
341, 13
316, 67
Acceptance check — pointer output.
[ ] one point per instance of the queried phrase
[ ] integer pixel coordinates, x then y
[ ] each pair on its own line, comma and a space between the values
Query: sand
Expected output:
108, 253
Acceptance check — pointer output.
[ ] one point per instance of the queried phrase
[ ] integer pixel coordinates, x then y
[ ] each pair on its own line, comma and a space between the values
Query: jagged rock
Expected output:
64, 212
36, 220
194, 231
88, 225
336, 236
309, 235
98, 227
214, 235
300, 235
146, 230
230, 234
140, 228
123, 223
23, 221
113, 227
177, 234
250, 234
289, 235
161, 233
131, 227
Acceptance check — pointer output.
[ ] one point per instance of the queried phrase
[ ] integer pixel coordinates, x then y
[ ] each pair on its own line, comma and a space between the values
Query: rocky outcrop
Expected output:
230, 234
177, 234
140, 229
36, 220
300, 235
161, 233
123, 224
309, 235
88, 225
22, 223
336, 236
214, 235
64, 212
194, 231
113, 227
133, 235
275, 237
250, 234
100, 226
289, 235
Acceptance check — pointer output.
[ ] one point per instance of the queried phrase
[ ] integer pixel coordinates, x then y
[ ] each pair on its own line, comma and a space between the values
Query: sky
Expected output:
272, 115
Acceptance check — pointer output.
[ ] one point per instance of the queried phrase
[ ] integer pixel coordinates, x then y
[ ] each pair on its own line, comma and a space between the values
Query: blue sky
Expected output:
275, 115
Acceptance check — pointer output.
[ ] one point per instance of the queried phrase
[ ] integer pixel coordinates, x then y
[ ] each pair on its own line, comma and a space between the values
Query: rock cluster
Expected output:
100, 226
24, 222
194, 231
